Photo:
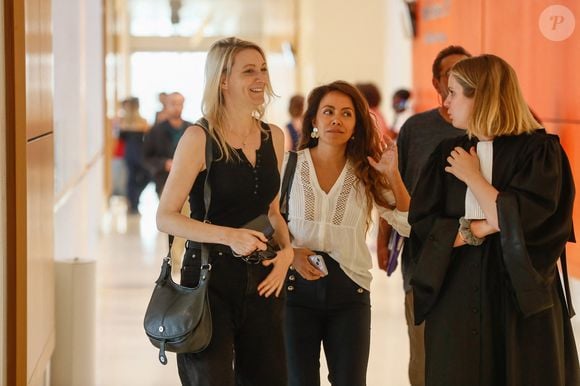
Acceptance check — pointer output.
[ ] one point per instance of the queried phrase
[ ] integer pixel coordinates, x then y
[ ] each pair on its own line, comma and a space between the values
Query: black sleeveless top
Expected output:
239, 191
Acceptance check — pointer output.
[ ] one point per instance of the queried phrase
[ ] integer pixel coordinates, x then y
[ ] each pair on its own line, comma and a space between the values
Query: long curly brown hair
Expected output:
366, 139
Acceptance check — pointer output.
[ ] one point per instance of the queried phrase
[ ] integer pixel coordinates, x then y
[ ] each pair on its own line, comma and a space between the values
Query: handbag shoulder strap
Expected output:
287, 183
203, 123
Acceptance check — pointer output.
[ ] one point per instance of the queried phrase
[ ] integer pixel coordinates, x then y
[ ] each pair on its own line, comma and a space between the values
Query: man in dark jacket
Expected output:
159, 147
419, 136
161, 141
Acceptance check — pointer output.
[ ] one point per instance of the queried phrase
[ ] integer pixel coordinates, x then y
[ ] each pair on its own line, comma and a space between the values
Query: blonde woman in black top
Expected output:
245, 303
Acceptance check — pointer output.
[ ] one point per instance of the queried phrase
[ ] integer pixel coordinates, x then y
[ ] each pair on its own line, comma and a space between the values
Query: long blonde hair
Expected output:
499, 107
219, 63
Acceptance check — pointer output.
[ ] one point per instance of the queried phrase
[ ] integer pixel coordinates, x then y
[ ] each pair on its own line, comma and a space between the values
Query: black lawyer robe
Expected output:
496, 314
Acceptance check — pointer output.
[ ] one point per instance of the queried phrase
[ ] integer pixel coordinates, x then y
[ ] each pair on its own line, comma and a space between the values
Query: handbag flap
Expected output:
174, 310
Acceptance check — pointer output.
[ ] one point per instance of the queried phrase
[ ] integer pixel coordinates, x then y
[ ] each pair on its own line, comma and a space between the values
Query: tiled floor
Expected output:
129, 262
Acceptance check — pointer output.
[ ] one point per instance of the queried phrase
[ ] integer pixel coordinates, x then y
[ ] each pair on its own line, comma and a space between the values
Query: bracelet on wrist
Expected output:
466, 235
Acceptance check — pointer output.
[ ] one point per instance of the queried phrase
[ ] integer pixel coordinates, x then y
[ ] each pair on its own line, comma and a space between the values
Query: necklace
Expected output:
244, 138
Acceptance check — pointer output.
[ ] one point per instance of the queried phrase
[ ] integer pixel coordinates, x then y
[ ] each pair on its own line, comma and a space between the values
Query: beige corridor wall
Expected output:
340, 39
2, 208
78, 127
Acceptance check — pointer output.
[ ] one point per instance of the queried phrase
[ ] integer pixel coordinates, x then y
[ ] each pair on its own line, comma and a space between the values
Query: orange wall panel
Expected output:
570, 140
441, 23
547, 69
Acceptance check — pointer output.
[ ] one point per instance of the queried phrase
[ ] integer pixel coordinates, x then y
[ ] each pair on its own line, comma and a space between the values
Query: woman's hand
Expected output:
274, 282
388, 164
463, 165
303, 266
245, 241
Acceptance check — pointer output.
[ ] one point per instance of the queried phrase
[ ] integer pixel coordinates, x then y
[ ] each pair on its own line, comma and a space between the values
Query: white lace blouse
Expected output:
335, 222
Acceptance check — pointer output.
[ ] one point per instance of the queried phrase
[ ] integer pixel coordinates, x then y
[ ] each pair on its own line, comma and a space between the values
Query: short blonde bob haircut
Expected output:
218, 65
499, 108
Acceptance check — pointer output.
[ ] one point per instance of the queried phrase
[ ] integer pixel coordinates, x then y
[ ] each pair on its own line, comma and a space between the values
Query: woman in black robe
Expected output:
488, 285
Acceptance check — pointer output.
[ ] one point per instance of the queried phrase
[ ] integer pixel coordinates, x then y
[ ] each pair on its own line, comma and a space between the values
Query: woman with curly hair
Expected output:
343, 170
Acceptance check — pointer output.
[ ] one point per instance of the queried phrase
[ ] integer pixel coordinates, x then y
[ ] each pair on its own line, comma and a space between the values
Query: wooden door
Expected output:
29, 179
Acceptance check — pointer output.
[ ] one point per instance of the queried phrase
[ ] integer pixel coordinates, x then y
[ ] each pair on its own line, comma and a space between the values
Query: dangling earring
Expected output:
314, 133
352, 138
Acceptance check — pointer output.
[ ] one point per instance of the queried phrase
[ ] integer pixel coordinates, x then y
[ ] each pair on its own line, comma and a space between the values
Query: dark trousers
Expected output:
138, 176
137, 180
333, 311
247, 345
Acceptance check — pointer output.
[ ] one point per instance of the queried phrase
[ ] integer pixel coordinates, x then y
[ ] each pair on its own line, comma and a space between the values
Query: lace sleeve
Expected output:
397, 219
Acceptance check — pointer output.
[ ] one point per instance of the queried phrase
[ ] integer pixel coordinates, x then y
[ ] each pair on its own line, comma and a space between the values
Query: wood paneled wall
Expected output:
30, 165
2, 208
547, 69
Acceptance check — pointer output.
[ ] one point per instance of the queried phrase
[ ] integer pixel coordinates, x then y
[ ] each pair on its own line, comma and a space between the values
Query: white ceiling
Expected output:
255, 19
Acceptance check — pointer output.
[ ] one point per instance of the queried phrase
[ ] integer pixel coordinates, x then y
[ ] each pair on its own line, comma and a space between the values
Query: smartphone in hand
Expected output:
318, 262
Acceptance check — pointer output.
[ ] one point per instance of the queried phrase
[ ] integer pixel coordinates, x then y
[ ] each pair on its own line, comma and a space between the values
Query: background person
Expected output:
419, 136
373, 97
132, 130
294, 127
118, 164
161, 142
159, 149
162, 114
401, 104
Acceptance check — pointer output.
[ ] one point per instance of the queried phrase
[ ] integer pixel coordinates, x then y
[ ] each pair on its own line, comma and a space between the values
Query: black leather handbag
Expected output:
178, 318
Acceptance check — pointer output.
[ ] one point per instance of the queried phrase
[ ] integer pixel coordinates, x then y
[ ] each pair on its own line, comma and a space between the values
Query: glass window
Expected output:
155, 72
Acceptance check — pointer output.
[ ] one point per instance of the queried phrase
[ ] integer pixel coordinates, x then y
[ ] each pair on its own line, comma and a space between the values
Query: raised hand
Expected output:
388, 164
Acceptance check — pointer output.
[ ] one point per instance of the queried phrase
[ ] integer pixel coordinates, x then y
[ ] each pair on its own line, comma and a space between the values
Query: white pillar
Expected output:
73, 362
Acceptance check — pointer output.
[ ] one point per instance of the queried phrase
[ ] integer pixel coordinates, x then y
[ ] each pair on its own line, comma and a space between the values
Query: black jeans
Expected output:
333, 311
247, 345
